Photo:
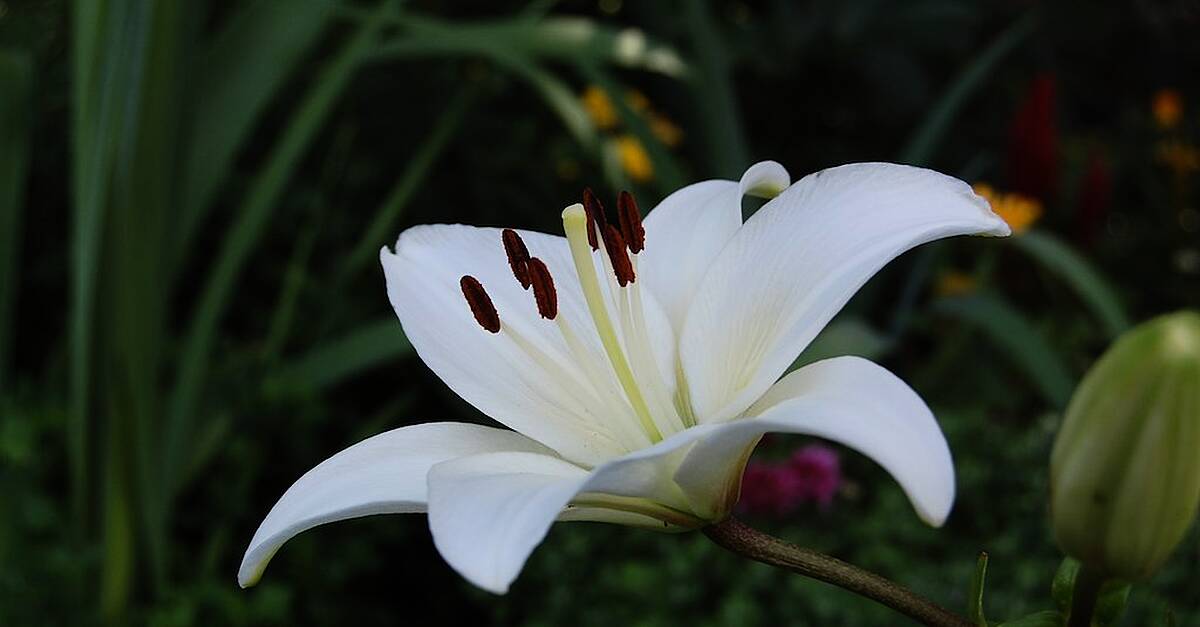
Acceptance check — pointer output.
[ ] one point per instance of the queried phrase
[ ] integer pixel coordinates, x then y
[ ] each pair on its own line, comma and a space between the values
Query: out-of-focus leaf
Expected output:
241, 69
1067, 264
1016, 336
713, 94
369, 346
16, 120
924, 141
383, 226
252, 216
844, 337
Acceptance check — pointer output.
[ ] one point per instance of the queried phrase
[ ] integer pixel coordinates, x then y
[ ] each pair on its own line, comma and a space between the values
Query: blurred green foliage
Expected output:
192, 195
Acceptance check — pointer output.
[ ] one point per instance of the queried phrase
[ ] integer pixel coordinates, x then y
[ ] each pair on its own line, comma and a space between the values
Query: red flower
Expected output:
1033, 142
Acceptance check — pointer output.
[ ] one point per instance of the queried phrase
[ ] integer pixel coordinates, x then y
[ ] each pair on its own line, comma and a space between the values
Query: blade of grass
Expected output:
715, 99
1073, 269
101, 77
368, 346
1016, 336
416, 170
16, 122
251, 217
241, 70
921, 146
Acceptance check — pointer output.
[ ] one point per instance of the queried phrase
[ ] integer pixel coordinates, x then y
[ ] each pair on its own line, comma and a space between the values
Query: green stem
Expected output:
1083, 599
735, 536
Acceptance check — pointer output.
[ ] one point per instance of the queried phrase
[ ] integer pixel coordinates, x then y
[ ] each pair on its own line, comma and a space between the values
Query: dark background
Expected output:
191, 315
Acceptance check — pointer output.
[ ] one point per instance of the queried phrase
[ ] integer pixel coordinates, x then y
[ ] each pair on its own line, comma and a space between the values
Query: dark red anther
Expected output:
480, 303
631, 222
518, 256
596, 218
619, 254
543, 289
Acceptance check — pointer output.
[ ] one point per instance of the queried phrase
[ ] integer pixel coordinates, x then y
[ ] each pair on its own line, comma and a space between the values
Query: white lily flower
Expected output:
637, 367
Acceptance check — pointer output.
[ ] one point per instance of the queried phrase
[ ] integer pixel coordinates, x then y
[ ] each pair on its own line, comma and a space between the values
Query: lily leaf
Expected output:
1013, 333
1067, 264
851, 336
370, 345
975, 600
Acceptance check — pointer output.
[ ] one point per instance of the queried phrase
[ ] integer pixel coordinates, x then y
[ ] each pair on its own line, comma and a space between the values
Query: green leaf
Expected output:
921, 146
252, 217
713, 94
369, 346
975, 596
16, 120
1074, 270
241, 69
1063, 586
1016, 336
384, 227
850, 336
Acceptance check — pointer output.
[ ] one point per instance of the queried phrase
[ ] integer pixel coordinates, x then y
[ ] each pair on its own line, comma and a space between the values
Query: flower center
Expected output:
626, 391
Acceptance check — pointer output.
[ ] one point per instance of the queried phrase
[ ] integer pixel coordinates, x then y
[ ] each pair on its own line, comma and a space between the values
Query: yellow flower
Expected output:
633, 158
1167, 108
954, 283
665, 130
1019, 211
604, 114
599, 107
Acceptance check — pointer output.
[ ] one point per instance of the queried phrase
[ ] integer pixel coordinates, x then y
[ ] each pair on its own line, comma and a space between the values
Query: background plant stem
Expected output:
735, 536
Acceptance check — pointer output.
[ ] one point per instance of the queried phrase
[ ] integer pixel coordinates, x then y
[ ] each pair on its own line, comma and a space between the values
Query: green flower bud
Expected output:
1125, 470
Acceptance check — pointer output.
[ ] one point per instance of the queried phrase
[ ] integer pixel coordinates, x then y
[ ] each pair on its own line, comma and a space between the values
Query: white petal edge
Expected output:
488, 512
383, 474
688, 228
848, 400
798, 260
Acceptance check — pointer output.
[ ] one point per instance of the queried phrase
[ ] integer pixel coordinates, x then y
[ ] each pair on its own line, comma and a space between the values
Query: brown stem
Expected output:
735, 536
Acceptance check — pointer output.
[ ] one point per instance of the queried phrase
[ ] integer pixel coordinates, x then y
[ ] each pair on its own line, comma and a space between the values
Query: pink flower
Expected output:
817, 473
812, 474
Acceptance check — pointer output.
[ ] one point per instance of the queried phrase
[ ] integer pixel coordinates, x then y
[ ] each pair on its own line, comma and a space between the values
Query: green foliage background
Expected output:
192, 195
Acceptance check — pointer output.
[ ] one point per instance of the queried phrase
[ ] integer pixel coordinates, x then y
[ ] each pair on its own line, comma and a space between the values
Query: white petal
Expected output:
798, 260
384, 474
848, 400
687, 229
488, 512
488, 370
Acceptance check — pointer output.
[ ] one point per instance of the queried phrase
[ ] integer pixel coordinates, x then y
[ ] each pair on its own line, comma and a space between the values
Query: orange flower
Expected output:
633, 158
1019, 211
1167, 108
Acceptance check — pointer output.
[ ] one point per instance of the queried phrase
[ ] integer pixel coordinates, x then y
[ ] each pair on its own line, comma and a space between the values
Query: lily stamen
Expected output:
630, 220
480, 304
518, 256
543, 288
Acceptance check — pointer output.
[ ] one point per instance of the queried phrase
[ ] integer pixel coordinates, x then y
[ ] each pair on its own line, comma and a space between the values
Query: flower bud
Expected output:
1125, 470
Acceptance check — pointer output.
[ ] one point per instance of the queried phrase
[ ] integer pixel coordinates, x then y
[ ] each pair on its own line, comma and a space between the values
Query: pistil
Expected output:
576, 224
